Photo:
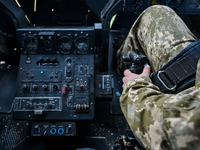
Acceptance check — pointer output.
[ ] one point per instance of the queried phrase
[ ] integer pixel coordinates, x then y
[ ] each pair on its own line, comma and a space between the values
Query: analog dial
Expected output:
30, 44
65, 44
82, 44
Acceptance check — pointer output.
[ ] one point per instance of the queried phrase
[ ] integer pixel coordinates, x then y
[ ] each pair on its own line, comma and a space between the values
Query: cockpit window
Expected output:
62, 12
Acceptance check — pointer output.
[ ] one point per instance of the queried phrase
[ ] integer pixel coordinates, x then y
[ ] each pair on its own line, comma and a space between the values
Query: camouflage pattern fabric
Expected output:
159, 33
160, 121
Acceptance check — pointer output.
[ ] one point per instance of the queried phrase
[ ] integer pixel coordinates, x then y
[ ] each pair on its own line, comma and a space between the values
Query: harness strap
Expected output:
179, 73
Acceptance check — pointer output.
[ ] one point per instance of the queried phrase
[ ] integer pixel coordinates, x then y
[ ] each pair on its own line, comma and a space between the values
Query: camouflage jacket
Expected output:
163, 121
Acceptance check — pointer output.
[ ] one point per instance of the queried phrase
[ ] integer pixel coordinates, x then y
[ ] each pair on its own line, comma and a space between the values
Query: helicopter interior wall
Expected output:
8, 40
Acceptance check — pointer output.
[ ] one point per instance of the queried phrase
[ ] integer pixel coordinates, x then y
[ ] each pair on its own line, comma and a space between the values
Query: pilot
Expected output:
159, 120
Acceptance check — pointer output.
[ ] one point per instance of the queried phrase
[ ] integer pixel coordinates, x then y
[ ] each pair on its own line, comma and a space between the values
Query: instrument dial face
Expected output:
30, 44
65, 44
82, 44
46, 43
174, 3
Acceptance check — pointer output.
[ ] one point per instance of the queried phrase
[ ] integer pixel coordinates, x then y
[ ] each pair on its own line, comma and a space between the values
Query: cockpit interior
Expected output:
59, 86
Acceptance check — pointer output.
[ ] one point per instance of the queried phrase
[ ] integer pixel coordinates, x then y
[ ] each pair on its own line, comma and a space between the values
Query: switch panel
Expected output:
55, 87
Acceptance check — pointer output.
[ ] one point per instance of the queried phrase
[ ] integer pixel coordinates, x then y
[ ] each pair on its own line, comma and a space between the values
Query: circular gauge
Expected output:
174, 3
46, 43
82, 44
30, 44
153, 2
65, 44
138, 4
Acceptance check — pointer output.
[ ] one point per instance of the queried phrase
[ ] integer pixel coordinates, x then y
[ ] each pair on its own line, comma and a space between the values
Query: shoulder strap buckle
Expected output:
163, 83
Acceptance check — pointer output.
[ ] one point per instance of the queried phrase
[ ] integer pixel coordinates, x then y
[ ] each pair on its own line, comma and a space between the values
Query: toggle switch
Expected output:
81, 86
64, 90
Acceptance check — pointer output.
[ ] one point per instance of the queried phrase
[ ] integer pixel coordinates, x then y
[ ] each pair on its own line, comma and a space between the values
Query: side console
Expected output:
56, 77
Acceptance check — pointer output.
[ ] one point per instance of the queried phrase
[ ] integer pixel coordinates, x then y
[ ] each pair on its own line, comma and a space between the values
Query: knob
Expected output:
46, 59
55, 87
24, 87
40, 59
45, 87
32, 75
53, 59
51, 76
35, 87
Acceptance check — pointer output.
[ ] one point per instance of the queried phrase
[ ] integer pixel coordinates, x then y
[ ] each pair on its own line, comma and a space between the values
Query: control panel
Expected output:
56, 74
53, 129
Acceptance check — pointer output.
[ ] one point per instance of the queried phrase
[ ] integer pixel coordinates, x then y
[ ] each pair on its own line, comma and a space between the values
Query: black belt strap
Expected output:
179, 73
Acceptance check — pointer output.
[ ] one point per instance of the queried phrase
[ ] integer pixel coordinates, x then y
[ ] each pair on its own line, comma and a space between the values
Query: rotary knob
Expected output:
24, 87
35, 87
45, 86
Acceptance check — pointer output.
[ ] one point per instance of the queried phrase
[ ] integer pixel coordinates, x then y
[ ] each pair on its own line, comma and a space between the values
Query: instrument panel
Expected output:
76, 40
56, 74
